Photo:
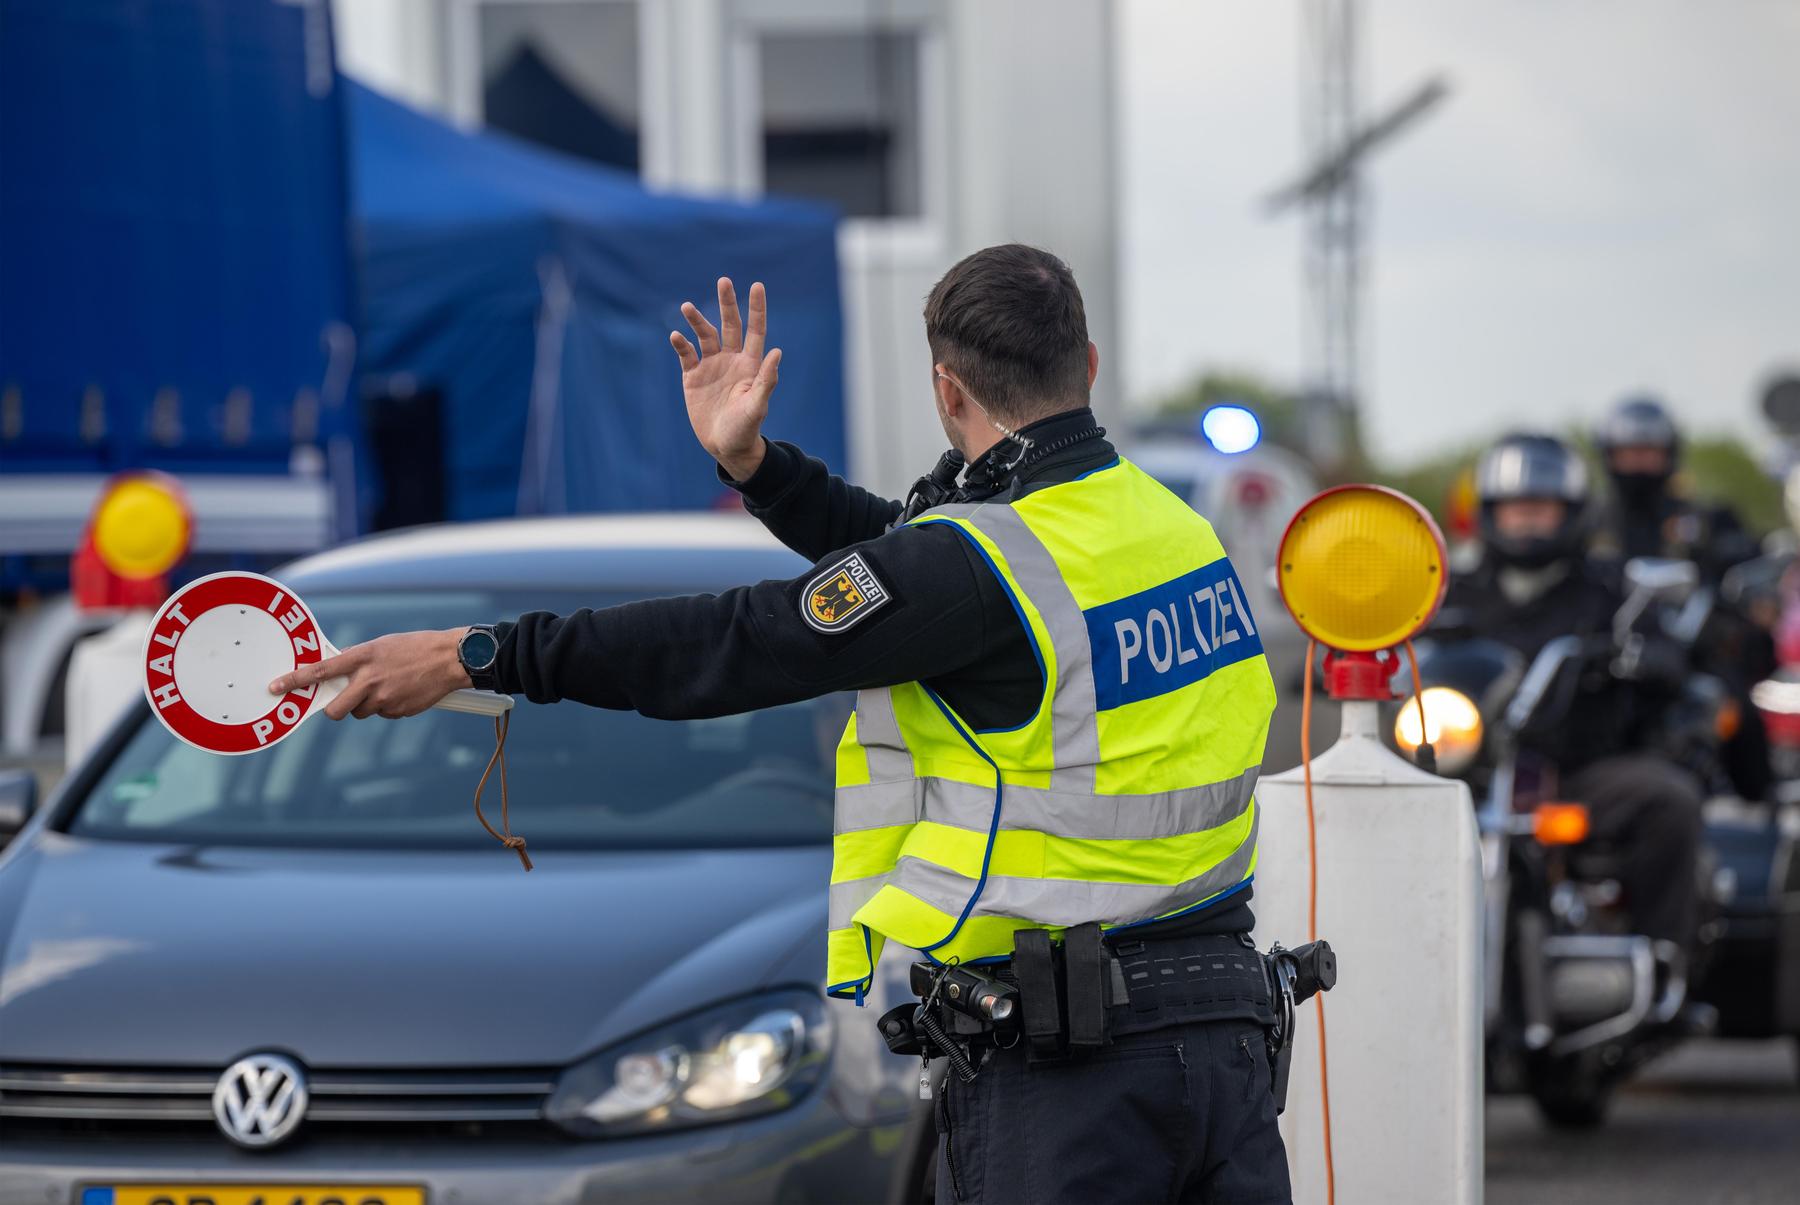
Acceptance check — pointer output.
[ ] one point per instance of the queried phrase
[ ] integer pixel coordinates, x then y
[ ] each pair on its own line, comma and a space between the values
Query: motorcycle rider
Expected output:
1532, 584
1641, 449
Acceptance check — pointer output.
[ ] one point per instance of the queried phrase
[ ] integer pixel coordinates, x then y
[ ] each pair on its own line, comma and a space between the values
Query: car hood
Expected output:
126, 953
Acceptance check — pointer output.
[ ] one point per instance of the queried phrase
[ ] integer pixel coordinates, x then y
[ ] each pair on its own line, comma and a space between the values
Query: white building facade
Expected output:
938, 126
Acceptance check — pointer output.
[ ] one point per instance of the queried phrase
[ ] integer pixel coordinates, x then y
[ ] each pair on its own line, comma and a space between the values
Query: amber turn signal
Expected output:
1561, 823
1729, 719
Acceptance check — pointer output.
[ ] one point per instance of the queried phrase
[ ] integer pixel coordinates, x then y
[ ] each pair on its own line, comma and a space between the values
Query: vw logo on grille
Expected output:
260, 1099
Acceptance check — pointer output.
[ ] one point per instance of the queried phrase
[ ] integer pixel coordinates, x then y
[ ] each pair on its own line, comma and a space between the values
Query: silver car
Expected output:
308, 977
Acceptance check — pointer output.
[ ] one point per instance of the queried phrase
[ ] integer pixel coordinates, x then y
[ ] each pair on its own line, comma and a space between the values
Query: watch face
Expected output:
478, 650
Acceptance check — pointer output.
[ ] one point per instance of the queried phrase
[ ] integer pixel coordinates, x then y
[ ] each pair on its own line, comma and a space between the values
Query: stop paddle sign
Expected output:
216, 644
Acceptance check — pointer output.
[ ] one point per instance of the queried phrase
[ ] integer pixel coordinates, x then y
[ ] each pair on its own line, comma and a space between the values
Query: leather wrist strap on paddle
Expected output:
506, 837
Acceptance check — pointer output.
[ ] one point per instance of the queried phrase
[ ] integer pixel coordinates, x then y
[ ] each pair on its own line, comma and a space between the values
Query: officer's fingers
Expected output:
367, 708
351, 699
764, 384
731, 326
397, 705
703, 330
318, 671
684, 351
759, 321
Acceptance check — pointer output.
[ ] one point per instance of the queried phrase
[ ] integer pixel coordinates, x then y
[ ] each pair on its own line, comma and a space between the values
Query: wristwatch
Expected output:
477, 651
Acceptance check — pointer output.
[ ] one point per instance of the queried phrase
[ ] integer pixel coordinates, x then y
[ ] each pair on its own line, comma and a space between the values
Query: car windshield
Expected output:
580, 777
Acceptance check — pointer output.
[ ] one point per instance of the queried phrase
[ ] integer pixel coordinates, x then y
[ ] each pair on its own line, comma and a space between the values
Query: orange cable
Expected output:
1418, 692
1312, 907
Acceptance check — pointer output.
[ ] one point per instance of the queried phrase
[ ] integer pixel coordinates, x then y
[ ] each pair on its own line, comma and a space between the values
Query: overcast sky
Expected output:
1610, 199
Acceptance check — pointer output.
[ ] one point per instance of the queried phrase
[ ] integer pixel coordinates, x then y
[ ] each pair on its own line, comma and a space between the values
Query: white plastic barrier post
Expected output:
1400, 902
105, 675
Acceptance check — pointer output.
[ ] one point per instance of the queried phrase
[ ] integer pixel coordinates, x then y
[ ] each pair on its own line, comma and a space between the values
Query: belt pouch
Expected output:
1036, 972
1085, 961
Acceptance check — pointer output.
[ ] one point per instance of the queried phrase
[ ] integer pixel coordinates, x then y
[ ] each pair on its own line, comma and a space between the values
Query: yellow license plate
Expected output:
253, 1194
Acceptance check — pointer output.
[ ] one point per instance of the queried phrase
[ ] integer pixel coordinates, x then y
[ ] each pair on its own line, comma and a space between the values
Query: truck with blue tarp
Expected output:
321, 312
175, 294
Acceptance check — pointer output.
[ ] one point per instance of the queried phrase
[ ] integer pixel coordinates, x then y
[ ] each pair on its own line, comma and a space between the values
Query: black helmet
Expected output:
1639, 422
1526, 466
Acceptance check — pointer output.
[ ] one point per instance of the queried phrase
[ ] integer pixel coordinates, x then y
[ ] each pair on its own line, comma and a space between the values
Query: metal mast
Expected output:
1330, 196
1332, 213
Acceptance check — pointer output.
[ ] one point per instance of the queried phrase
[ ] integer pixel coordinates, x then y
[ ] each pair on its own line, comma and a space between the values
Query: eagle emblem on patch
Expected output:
843, 595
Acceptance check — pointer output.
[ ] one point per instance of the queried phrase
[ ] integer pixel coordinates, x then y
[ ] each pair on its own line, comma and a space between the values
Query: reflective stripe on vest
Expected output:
1127, 796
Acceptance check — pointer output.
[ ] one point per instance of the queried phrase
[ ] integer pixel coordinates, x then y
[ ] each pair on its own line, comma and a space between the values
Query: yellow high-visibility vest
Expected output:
1128, 795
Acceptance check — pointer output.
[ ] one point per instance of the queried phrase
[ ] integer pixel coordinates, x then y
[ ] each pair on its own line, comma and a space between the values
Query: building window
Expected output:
564, 75
841, 120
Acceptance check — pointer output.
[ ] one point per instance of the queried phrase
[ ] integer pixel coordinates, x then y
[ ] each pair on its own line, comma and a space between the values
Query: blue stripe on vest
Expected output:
1170, 636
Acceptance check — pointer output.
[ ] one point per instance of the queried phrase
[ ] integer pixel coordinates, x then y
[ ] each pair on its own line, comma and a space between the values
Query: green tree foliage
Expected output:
1431, 480
1280, 411
1722, 469
1717, 469
1276, 409
1714, 468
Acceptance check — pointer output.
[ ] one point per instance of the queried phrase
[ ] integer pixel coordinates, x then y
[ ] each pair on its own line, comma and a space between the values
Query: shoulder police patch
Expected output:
843, 595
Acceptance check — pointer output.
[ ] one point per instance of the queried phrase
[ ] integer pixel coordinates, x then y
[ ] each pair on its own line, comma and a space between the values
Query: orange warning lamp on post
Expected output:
141, 528
1361, 569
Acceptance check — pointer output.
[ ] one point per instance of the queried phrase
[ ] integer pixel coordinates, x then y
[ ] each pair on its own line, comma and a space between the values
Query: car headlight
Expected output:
1453, 723
754, 1055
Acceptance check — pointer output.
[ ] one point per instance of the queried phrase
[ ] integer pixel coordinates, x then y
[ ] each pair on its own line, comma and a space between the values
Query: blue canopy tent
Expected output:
538, 291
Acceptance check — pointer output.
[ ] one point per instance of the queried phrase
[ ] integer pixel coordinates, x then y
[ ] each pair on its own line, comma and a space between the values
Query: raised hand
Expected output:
728, 381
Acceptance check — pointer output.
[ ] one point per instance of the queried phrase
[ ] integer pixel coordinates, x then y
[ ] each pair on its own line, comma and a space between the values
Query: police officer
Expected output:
1533, 584
1062, 703
1641, 447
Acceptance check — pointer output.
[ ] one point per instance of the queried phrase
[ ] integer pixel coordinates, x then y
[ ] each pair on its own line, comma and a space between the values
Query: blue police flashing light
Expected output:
1231, 429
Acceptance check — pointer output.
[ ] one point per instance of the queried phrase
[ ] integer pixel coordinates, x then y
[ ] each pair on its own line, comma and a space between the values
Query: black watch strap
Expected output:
479, 652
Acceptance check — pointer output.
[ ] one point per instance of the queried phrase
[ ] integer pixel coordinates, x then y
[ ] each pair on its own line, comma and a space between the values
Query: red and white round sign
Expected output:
210, 655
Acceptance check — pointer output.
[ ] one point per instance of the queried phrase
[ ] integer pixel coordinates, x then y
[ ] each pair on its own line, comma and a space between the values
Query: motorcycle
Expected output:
1754, 981
1575, 1000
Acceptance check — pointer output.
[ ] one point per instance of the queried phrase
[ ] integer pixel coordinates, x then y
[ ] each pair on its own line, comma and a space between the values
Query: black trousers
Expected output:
1650, 809
1176, 1114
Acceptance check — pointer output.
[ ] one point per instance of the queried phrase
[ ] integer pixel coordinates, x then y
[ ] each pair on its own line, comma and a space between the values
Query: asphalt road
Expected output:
1714, 1123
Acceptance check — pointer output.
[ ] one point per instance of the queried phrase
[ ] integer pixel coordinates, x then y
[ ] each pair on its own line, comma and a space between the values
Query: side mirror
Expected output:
1660, 578
1757, 581
18, 800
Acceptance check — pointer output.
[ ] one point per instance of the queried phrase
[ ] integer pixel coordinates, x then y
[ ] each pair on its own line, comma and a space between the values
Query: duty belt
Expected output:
1067, 1001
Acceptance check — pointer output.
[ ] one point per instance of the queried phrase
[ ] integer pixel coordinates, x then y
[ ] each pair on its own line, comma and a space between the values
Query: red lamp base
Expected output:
97, 588
1361, 676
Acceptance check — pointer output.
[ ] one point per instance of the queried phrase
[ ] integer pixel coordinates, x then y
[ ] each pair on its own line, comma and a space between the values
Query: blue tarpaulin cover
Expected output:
174, 276
469, 243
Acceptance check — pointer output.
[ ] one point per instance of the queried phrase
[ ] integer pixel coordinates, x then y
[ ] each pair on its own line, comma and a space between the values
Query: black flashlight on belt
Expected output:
969, 992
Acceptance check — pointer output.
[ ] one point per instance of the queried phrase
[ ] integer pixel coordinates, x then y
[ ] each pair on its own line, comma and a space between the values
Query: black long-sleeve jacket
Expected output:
946, 620
1609, 713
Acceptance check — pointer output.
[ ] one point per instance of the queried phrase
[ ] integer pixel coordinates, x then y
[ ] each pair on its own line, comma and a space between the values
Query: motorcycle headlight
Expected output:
1452, 722
754, 1055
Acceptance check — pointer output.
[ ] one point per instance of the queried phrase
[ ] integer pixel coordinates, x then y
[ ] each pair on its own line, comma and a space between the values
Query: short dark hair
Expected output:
1008, 320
